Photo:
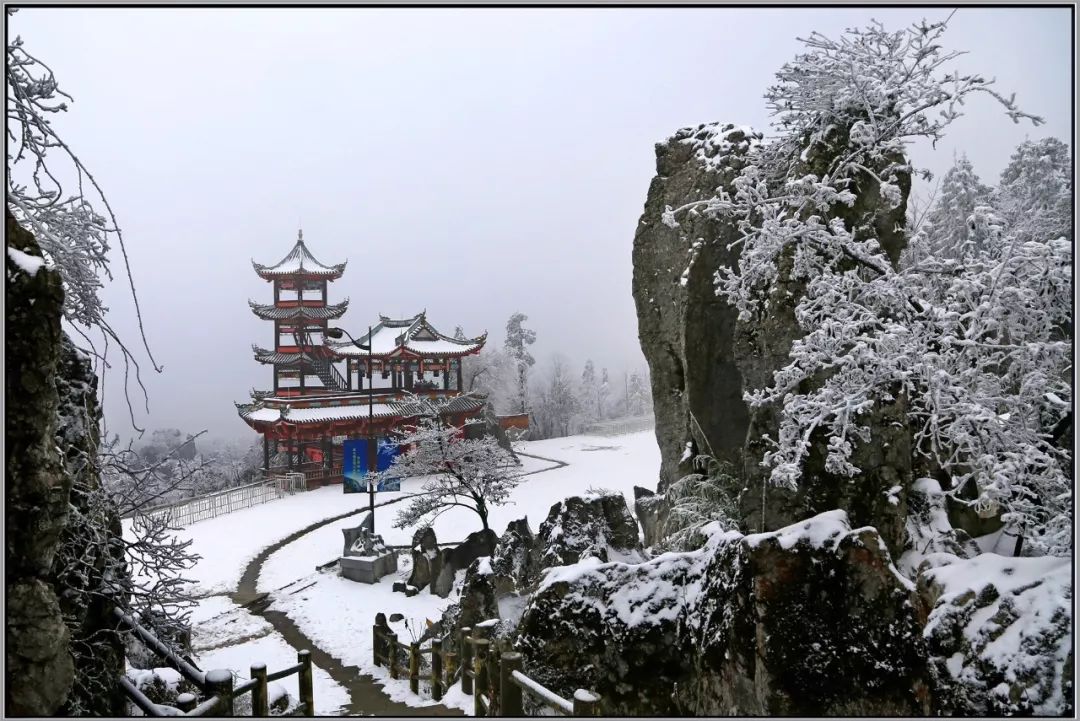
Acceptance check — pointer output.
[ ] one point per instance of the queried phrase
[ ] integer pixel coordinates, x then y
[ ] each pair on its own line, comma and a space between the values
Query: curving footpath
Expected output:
367, 696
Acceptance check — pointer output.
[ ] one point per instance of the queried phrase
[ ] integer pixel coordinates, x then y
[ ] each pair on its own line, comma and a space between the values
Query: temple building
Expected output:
329, 393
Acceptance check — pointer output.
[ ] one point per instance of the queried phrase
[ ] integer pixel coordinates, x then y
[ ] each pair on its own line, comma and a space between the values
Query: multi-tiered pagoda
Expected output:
315, 408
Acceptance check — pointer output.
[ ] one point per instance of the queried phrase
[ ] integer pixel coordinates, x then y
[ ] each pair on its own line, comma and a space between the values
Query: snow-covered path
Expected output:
274, 549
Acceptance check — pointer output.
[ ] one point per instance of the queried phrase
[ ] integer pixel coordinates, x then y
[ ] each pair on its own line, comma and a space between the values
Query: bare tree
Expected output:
73, 234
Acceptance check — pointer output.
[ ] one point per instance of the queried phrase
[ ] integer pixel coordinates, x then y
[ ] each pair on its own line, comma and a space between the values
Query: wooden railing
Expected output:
216, 686
220, 503
490, 672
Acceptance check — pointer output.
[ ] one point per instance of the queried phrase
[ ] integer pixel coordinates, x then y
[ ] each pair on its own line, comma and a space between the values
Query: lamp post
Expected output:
337, 333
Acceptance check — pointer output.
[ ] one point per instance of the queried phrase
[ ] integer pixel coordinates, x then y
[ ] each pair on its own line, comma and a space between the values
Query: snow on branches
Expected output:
472, 473
72, 233
970, 335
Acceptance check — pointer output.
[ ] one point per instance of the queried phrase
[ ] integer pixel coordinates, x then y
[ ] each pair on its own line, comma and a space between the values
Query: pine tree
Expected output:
945, 231
518, 338
589, 390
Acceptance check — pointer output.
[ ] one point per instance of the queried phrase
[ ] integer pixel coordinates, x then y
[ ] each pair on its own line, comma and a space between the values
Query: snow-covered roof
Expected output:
348, 409
275, 312
278, 357
408, 336
299, 261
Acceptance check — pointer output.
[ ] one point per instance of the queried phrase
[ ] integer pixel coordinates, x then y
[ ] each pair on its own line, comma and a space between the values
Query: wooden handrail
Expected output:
494, 679
186, 670
278, 675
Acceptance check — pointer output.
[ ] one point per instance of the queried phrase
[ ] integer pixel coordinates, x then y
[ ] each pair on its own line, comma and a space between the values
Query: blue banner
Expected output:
387, 452
355, 465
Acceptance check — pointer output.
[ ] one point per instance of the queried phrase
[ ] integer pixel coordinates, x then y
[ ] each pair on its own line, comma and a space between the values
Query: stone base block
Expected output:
367, 569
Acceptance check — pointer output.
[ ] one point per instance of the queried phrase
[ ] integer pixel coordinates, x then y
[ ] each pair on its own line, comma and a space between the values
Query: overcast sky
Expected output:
470, 162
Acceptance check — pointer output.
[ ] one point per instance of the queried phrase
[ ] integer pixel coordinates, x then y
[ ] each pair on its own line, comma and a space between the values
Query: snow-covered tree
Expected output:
1034, 194
518, 339
637, 395
944, 230
603, 392
589, 388
559, 409
472, 473
973, 349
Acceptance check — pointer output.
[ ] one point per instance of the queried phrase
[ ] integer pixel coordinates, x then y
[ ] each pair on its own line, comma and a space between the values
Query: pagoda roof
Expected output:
264, 355
409, 337
299, 261
266, 411
276, 312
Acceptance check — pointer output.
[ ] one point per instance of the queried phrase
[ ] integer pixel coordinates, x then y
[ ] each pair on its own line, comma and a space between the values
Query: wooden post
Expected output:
391, 648
451, 666
185, 702
586, 703
378, 638
493, 675
260, 705
307, 682
414, 667
480, 668
436, 669
219, 682
266, 454
509, 692
466, 661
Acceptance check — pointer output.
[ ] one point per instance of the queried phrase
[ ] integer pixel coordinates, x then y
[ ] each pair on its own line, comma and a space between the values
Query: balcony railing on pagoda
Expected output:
315, 474
378, 394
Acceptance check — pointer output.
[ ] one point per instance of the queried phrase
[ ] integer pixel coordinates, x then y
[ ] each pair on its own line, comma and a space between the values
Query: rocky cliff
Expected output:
702, 358
63, 555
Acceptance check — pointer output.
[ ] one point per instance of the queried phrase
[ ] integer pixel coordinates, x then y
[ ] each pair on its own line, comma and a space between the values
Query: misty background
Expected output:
471, 162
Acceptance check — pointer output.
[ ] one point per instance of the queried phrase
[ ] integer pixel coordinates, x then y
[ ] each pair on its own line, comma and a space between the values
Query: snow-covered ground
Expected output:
337, 614
225, 635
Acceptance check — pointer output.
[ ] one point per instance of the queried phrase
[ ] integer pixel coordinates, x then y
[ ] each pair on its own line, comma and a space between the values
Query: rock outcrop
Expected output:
39, 669
425, 549
515, 561
1000, 635
65, 568
810, 620
652, 512
686, 331
702, 358
449, 561
595, 524
90, 566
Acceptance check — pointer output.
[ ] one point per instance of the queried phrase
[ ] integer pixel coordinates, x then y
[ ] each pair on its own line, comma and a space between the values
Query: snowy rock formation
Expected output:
702, 359
810, 620
54, 517
39, 668
686, 331
591, 525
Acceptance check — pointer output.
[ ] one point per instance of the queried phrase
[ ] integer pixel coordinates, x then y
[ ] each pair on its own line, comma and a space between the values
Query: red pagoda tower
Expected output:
314, 408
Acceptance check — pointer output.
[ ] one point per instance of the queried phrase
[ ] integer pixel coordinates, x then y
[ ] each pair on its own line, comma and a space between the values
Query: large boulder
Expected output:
595, 524
810, 620
515, 561
651, 510
451, 560
1000, 635
478, 600
425, 549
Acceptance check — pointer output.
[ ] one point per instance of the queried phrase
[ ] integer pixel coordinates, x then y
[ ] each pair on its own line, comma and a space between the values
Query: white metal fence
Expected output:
620, 426
234, 499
